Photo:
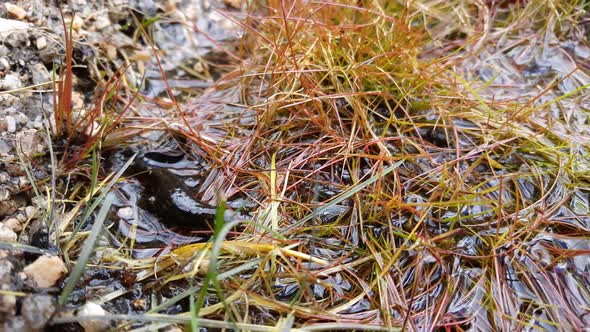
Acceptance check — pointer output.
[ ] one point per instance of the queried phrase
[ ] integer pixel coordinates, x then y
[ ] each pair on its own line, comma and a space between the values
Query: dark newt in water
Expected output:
166, 195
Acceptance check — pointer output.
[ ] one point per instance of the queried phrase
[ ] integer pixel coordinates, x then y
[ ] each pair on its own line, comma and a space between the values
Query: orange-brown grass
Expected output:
398, 185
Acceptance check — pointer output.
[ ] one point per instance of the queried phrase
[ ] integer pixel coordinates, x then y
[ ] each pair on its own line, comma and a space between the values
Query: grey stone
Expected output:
10, 82
16, 324
4, 194
6, 268
38, 309
30, 142
4, 65
4, 147
40, 74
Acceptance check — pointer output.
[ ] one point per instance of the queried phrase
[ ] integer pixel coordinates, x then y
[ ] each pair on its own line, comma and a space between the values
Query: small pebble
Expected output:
39, 201
125, 213
102, 22
111, 52
40, 74
237, 4
30, 212
172, 328
30, 141
15, 324
6, 268
21, 217
10, 123
46, 270
13, 224
4, 147
77, 23
41, 43
38, 309
7, 304
7, 234
93, 309
10, 82
4, 65
93, 129
4, 194
15, 11
21, 118
23, 181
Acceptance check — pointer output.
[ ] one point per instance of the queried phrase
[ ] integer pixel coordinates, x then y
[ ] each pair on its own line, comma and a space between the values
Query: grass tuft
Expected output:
413, 166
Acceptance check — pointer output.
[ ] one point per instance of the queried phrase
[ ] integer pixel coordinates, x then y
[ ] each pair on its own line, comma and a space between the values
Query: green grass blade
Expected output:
86, 250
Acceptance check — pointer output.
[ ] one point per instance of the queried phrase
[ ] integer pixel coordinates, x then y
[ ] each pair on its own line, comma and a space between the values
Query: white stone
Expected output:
46, 270
39, 201
102, 22
4, 194
7, 234
13, 224
93, 129
10, 82
11, 25
4, 148
76, 23
10, 123
125, 213
15, 11
41, 42
21, 118
92, 309
30, 212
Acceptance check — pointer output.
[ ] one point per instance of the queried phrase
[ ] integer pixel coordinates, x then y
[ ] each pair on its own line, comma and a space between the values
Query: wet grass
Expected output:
414, 167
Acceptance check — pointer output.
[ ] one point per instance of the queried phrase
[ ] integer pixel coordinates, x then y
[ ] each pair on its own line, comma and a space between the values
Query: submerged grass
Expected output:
415, 166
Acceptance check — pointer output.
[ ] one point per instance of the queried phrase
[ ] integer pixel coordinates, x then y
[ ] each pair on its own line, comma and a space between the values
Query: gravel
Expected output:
38, 309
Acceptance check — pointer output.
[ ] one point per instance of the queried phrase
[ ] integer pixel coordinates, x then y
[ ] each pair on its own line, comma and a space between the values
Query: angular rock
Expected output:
31, 212
13, 224
41, 42
6, 268
15, 11
10, 124
4, 194
40, 74
46, 270
7, 26
93, 309
4, 147
10, 82
15, 324
101, 22
7, 305
30, 142
38, 309
8, 207
7, 234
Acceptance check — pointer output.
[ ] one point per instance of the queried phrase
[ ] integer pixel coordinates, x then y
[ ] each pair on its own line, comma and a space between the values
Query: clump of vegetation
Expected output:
79, 132
411, 171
